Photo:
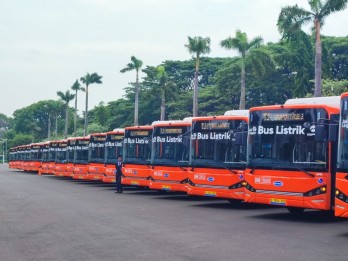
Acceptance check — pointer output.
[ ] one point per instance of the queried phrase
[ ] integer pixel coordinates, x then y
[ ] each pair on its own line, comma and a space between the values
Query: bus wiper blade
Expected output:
231, 170
304, 171
253, 169
149, 166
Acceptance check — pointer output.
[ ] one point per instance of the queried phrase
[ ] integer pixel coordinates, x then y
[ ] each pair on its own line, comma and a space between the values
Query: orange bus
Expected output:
52, 157
26, 157
341, 199
218, 158
35, 157
96, 156
20, 157
60, 161
16, 155
113, 148
12, 158
170, 155
137, 156
288, 163
81, 158
70, 157
45, 158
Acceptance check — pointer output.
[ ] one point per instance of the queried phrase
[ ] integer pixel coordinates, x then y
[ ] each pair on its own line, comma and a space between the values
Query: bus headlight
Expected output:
315, 192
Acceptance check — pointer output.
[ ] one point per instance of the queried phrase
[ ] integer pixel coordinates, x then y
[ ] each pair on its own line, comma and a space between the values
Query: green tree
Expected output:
197, 45
76, 87
66, 98
292, 18
87, 80
247, 50
135, 64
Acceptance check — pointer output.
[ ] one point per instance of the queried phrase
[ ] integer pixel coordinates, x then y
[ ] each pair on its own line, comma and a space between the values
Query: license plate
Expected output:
210, 193
277, 201
134, 182
166, 187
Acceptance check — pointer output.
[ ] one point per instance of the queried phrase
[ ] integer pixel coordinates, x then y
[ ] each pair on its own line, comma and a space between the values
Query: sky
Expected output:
45, 45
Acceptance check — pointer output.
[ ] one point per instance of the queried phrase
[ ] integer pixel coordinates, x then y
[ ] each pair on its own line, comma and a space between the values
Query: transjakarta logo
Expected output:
281, 130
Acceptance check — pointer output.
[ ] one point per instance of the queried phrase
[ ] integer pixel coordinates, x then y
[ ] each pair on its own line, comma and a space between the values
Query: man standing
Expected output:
119, 175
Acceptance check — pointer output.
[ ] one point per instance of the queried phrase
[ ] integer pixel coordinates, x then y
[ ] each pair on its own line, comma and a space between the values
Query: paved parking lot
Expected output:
51, 218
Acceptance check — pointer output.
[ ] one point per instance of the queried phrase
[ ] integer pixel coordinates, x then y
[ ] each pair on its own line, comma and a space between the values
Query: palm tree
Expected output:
241, 43
66, 98
135, 64
87, 80
291, 19
165, 86
197, 45
76, 87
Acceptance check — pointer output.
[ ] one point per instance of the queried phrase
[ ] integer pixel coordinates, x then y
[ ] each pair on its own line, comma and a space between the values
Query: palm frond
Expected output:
331, 6
292, 18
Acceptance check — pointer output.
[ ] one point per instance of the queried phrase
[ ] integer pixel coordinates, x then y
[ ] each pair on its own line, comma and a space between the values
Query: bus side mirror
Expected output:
333, 132
320, 133
241, 138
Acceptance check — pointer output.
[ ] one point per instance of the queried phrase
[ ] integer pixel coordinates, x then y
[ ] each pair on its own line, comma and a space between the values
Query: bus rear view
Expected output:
287, 164
137, 158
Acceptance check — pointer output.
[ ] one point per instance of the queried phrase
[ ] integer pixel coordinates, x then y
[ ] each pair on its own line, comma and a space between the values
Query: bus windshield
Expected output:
137, 145
35, 153
169, 146
61, 153
285, 139
114, 147
81, 151
45, 154
97, 149
213, 144
70, 152
343, 141
52, 152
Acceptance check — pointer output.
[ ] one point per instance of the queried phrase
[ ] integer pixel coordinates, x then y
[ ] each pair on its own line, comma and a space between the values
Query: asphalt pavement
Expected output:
52, 218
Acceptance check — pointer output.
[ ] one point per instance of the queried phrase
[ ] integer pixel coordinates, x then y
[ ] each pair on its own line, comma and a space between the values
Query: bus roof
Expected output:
333, 101
185, 122
145, 127
237, 113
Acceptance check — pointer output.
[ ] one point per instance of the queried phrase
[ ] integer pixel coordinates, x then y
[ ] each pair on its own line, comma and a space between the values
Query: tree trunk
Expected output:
195, 89
163, 106
49, 128
66, 121
56, 129
75, 113
86, 112
136, 102
242, 87
318, 62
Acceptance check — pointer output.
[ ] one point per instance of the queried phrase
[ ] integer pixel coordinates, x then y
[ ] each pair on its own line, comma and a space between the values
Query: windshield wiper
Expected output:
231, 170
254, 168
304, 171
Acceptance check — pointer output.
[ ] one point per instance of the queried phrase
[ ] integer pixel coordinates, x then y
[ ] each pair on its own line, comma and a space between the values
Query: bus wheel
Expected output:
296, 211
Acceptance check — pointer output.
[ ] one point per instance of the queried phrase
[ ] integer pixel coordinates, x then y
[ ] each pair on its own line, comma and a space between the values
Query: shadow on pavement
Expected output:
309, 216
235, 205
